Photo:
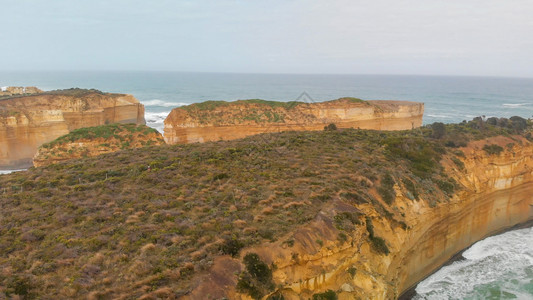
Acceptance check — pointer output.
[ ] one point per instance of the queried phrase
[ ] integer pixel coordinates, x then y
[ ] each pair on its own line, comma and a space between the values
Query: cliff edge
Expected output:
8, 91
28, 121
93, 141
220, 120
347, 214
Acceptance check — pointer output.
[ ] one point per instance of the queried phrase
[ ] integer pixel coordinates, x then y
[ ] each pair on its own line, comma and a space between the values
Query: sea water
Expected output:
498, 267
447, 99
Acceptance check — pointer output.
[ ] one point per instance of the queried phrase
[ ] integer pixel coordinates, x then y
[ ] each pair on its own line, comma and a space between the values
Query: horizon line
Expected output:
264, 73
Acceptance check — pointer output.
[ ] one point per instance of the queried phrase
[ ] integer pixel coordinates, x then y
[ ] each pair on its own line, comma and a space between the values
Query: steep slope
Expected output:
219, 120
93, 141
353, 213
28, 121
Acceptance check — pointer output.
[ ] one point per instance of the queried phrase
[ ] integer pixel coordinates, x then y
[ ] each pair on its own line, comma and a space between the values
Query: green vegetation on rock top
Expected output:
128, 223
103, 131
74, 92
210, 105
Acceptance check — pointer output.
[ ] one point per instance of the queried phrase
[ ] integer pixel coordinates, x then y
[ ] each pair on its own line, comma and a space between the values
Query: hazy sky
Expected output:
451, 37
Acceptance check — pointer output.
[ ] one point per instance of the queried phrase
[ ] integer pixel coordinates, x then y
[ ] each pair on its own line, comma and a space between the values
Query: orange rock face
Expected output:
233, 120
495, 195
18, 90
26, 122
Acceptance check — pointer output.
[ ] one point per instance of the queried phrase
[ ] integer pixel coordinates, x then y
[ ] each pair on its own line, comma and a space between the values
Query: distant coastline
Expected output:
448, 99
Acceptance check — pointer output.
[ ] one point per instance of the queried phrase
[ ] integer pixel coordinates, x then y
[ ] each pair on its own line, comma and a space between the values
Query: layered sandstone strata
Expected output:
93, 141
26, 122
18, 90
495, 195
219, 120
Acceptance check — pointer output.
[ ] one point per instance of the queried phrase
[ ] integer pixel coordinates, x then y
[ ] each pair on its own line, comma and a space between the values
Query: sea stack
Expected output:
220, 120
29, 120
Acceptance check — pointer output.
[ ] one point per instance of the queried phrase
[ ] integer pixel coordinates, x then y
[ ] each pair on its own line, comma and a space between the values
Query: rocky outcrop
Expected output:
26, 122
495, 195
93, 141
18, 90
219, 120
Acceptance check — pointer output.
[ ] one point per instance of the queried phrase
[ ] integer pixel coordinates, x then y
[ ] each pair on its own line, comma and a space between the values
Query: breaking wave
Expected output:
515, 104
10, 171
156, 119
498, 267
161, 103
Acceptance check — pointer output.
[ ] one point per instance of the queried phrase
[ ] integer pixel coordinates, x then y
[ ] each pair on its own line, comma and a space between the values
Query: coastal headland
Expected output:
347, 213
220, 120
30, 117
94, 141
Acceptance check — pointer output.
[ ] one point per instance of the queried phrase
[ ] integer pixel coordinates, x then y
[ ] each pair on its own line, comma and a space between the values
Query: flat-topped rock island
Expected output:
30, 117
220, 120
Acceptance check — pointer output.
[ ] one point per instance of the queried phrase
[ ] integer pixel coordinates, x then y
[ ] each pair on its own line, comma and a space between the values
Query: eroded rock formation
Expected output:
26, 122
93, 141
219, 120
496, 194
18, 90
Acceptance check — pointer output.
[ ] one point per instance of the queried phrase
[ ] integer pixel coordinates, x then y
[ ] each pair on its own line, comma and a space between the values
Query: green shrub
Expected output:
459, 163
446, 186
256, 281
20, 286
438, 130
410, 186
369, 227
352, 271
342, 237
386, 190
419, 152
379, 245
231, 247
327, 295
493, 149
346, 220
330, 127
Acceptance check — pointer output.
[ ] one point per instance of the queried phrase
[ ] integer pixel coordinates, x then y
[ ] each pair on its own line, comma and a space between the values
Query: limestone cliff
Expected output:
28, 121
219, 120
93, 141
356, 213
495, 194
18, 90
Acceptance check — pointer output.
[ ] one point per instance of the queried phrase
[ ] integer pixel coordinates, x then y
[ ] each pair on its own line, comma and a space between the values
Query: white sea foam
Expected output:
496, 267
161, 103
515, 104
156, 119
4, 88
10, 171
440, 116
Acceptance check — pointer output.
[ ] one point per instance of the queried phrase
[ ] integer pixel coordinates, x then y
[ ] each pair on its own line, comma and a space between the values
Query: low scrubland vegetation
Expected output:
74, 92
124, 133
146, 221
253, 111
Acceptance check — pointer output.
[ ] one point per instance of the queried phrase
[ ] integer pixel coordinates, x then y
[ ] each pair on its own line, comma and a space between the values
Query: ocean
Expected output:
499, 267
447, 99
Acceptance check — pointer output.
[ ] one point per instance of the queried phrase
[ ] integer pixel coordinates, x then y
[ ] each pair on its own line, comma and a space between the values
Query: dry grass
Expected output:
109, 227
